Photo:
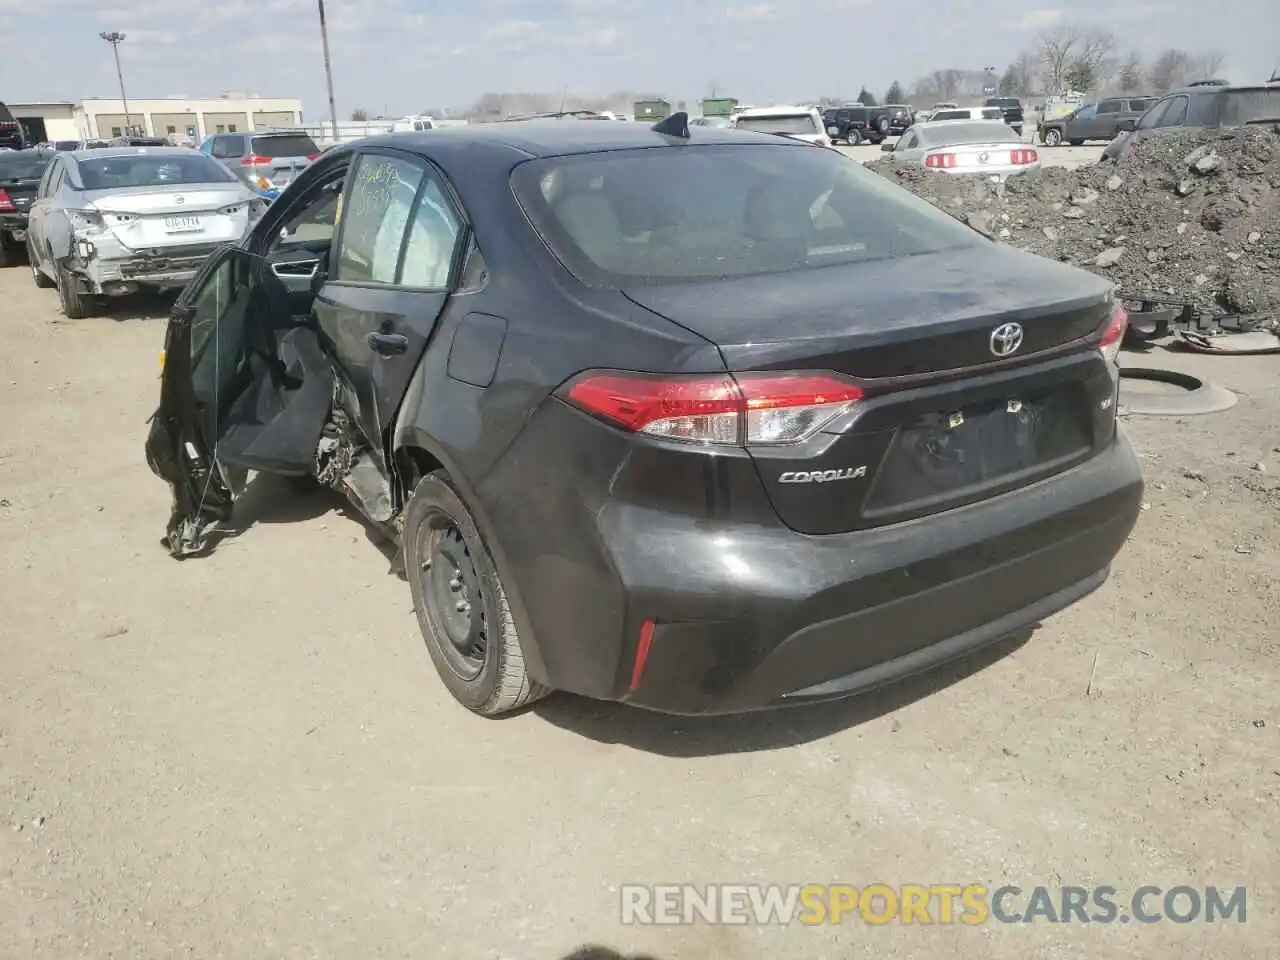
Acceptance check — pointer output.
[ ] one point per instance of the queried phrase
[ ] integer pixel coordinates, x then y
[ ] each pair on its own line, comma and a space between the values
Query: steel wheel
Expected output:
452, 588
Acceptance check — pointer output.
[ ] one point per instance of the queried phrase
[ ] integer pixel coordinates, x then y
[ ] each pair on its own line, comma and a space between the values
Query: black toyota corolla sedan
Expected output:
704, 423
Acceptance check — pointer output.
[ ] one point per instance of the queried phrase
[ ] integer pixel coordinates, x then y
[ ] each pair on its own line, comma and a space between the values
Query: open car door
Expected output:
245, 386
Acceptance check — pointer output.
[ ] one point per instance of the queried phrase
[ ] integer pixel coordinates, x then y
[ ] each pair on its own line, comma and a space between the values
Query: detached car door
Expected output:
398, 251
244, 386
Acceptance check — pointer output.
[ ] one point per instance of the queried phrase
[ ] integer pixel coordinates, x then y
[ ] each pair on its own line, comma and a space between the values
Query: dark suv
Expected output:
11, 135
856, 123
1212, 106
1103, 120
1011, 107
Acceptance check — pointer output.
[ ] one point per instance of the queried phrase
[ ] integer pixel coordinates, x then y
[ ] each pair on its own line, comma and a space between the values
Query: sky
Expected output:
396, 57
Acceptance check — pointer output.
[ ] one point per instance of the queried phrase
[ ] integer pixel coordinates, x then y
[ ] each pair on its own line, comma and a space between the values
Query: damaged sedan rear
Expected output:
111, 222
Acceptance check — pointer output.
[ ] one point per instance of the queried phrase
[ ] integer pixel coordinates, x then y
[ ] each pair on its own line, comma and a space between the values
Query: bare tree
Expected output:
1022, 75
1074, 49
1209, 64
1129, 76
947, 83
1170, 69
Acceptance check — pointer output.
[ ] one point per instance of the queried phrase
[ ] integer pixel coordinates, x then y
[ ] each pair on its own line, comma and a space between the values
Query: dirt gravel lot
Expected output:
250, 755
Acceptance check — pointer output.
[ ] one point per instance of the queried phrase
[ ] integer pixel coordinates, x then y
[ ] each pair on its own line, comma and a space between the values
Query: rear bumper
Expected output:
756, 616
105, 265
13, 222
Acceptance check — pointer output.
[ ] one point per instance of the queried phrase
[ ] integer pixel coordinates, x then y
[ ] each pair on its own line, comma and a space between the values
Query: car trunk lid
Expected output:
142, 217
945, 420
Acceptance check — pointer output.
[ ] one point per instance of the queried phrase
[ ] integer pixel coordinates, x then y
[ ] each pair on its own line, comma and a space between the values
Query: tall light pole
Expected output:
115, 39
328, 70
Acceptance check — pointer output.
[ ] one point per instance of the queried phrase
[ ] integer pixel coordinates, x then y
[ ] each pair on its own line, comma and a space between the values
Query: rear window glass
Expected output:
951, 115
955, 134
1002, 102
289, 145
1249, 106
151, 170
700, 213
801, 123
23, 165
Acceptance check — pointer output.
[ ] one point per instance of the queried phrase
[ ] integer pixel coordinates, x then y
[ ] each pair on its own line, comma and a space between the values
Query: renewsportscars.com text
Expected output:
966, 904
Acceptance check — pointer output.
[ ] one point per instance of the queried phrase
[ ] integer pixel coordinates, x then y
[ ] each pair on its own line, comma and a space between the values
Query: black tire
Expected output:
1052, 138
440, 539
882, 124
6, 251
853, 137
75, 305
41, 281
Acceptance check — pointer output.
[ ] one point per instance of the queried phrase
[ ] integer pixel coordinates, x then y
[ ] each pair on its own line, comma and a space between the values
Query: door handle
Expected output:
388, 344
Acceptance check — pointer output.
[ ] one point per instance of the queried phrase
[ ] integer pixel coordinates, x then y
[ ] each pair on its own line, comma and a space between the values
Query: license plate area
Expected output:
951, 455
183, 225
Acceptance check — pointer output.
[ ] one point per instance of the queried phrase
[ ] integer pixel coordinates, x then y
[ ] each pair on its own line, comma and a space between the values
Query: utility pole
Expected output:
328, 70
115, 39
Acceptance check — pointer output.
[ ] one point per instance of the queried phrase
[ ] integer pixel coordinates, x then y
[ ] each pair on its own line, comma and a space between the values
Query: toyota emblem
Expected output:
1006, 339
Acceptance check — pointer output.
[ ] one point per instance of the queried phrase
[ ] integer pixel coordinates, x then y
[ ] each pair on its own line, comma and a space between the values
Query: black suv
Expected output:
1204, 105
1103, 120
1011, 107
856, 123
11, 134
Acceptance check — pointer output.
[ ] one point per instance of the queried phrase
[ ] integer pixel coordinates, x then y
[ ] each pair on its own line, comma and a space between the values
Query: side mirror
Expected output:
887, 147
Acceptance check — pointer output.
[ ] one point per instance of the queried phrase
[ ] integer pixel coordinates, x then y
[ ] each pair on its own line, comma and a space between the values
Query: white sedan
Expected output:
987, 147
108, 222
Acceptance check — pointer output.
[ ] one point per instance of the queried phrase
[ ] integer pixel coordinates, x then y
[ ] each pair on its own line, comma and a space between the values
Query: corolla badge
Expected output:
1006, 339
822, 476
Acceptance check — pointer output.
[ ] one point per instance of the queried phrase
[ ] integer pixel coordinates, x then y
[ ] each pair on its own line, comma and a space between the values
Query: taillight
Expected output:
5, 203
313, 156
1023, 157
940, 161
253, 160
1113, 334
820, 142
741, 409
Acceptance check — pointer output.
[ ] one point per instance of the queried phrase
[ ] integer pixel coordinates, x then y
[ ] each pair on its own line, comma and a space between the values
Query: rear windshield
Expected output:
23, 164
1003, 102
790, 123
286, 145
637, 217
66, 145
955, 134
151, 170
1249, 106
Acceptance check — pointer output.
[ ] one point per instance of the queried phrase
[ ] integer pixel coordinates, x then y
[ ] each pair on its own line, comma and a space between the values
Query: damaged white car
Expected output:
110, 222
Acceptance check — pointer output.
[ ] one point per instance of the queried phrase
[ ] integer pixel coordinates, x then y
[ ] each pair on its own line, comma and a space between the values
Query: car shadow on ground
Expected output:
593, 952
144, 305
686, 737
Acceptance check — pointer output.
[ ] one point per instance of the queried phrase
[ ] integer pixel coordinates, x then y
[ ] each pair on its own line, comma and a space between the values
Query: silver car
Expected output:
986, 147
107, 222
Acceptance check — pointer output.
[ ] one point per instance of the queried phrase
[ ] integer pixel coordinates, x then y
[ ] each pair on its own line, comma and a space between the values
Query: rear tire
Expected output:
6, 251
1052, 138
461, 603
853, 138
37, 275
75, 305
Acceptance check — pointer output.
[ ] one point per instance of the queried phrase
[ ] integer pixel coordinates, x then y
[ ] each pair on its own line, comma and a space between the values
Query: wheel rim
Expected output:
452, 591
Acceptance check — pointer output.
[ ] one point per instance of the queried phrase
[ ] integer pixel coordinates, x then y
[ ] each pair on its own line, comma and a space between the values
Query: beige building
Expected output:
181, 118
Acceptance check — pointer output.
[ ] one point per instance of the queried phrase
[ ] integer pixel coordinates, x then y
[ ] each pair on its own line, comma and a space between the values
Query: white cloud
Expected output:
753, 14
1041, 18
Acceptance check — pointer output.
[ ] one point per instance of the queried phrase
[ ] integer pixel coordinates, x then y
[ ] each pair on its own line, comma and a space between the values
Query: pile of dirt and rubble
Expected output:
1192, 214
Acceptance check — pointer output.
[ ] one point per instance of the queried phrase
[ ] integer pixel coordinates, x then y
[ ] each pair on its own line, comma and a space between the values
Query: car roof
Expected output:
776, 111
107, 153
557, 138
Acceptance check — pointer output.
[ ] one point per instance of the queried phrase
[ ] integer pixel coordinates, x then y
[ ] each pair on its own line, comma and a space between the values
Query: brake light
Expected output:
254, 159
747, 408
1023, 156
820, 142
313, 156
940, 161
643, 646
1113, 334
5, 203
